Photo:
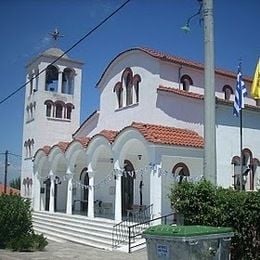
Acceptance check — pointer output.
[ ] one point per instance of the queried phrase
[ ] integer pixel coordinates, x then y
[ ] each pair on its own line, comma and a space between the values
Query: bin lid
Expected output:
185, 231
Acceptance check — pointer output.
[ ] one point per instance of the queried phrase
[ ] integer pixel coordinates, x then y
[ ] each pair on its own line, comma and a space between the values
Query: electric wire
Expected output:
68, 50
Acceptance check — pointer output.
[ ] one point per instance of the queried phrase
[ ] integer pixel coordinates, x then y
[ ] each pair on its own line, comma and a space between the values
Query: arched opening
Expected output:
84, 180
68, 81
127, 187
136, 81
182, 171
186, 82
228, 91
119, 94
51, 81
127, 80
58, 111
69, 108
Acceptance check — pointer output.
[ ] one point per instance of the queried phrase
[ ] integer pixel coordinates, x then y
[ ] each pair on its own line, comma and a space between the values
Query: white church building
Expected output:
146, 134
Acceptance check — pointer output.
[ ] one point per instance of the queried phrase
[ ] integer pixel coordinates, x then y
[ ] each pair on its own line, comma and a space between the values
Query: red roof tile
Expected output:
169, 135
46, 149
152, 133
83, 140
200, 96
177, 60
62, 145
180, 92
109, 134
170, 58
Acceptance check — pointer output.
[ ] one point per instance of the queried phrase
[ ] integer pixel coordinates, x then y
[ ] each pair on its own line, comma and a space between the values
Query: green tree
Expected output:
16, 183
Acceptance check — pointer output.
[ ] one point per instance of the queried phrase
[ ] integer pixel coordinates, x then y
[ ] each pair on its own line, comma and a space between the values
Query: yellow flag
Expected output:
255, 88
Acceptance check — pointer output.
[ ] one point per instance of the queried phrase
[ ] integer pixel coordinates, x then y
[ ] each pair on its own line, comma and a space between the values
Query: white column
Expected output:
69, 192
118, 198
51, 204
36, 186
156, 191
91, 193
60, 81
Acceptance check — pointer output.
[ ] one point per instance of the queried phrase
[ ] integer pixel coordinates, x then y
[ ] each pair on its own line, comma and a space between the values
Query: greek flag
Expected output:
240, 93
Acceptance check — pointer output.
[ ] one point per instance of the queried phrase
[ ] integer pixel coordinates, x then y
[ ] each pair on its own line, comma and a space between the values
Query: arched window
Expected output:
68, 81
228, 91
119, 93
247, 173
186, 82
31, 110
25, 149
136, 81
181, 170
28, 112
49, 107
69, 108
51, 81
84, 180
127, 79
31, 84
58, 110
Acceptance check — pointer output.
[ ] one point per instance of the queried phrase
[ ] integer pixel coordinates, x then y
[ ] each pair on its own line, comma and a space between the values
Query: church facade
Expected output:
146, 135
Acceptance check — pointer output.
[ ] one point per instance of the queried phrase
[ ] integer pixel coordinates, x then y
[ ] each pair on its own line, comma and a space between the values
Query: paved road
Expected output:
69, 250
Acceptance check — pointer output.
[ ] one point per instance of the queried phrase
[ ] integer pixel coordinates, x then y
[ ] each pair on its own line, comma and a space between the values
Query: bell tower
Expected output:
51, 105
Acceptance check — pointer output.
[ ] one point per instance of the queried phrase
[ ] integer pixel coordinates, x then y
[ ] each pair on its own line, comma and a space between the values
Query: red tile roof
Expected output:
170, 58
177, 60
83, 140
109, 134
46, 149
62, 145
200, 96
9, 190
180, 92
169, 135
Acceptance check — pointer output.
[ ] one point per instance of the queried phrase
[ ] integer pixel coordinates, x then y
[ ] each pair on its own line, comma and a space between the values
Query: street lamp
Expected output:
186, 27
209, 164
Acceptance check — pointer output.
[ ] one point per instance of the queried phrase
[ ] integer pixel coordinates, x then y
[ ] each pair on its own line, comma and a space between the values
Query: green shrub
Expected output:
16, 225
28, 243
203, 203
15, 218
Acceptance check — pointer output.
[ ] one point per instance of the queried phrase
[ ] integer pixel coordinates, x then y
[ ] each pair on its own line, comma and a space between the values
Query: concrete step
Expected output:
84, 226
57, 236
75, 230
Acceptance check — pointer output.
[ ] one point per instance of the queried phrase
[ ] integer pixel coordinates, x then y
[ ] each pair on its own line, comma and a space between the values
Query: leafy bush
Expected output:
28, 243
16, 225
204, 204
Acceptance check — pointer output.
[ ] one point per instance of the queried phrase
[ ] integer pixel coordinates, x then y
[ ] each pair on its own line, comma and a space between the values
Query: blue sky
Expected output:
150, 23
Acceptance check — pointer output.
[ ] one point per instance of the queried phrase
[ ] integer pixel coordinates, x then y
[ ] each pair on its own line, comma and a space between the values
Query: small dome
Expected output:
55, 52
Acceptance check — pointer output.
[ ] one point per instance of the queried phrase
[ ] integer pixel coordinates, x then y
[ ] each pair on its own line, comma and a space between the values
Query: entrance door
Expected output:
127, 187
84, 179
47, 193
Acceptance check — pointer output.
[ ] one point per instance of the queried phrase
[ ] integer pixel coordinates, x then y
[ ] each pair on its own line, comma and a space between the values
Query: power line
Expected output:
16, 155
68, 50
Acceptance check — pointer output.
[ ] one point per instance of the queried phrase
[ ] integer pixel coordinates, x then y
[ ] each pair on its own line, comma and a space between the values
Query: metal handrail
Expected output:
131, 238
120, 230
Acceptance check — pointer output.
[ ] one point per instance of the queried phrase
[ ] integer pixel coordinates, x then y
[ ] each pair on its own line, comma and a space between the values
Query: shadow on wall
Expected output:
180, 108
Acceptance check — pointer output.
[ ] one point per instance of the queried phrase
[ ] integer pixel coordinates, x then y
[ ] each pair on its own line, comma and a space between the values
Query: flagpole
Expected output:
241, 152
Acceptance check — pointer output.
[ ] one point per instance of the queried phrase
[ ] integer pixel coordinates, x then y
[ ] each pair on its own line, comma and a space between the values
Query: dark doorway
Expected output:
127, 187
84, 179
47, 183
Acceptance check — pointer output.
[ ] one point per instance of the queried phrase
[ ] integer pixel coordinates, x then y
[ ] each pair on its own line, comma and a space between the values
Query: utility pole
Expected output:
6, 165
209, 100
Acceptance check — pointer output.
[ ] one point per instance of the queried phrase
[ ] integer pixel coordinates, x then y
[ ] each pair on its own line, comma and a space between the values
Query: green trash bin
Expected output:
188, 242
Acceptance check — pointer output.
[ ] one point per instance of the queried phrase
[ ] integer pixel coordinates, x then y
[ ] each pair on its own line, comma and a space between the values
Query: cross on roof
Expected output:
56, 35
